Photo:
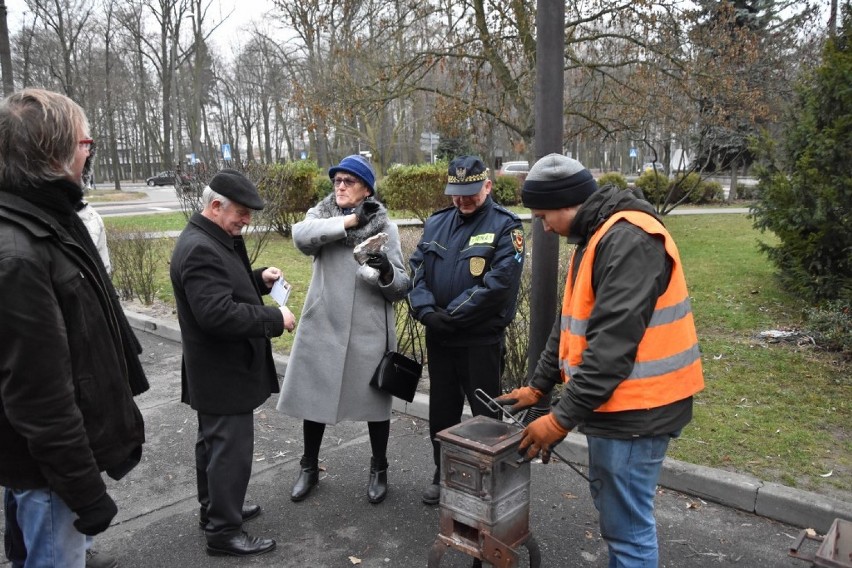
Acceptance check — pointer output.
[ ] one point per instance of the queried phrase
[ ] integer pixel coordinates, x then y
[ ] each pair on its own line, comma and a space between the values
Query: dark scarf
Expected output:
327, 208
60, 200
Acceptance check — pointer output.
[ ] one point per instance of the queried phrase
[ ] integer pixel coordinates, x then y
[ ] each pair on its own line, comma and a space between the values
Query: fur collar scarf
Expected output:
327, 208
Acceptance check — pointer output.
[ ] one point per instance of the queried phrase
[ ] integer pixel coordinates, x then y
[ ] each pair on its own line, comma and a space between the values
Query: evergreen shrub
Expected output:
613, 178
506, 190
418, 188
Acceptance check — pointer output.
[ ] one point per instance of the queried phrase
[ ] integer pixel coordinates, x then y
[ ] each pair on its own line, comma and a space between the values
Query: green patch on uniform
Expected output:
481, 239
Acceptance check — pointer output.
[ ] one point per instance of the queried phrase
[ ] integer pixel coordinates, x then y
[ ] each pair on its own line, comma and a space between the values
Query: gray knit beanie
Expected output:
557, 182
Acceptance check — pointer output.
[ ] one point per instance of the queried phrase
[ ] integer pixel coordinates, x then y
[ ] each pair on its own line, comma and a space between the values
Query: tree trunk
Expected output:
5, 53
732, 193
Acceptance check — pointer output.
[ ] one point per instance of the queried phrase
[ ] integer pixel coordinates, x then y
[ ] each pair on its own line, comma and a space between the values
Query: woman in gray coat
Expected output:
346, 324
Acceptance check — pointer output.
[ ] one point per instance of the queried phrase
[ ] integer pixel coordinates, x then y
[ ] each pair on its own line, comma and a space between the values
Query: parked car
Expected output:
652, 166
518, 169
166, 178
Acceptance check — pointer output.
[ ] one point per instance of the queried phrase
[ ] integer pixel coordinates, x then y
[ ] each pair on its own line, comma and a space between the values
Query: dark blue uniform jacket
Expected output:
470, 266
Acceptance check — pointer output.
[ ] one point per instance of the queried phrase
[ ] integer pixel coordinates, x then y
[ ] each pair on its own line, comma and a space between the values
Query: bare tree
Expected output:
66, 20
5, 52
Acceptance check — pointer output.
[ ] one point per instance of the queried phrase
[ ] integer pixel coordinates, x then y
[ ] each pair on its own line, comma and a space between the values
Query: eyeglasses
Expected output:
86, 143
345, 181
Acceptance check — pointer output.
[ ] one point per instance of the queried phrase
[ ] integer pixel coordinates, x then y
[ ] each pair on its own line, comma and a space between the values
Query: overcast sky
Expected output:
241, 14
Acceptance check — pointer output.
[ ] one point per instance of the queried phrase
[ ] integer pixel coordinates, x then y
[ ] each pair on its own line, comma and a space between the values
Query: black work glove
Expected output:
379, 261
439, 321
366, 211
95, 517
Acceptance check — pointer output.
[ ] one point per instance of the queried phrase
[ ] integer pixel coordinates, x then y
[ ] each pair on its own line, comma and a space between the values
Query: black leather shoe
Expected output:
308, 478
377, 489
249, 512
432, 494
240, 544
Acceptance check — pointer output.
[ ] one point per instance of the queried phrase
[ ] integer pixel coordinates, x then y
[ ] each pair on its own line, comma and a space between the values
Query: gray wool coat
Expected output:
341, 335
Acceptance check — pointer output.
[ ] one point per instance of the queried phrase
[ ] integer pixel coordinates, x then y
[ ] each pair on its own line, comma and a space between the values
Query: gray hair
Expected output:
40, 137
209, 194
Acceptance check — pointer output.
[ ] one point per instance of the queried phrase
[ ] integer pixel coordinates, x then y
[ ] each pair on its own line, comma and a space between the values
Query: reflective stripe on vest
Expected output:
668, 361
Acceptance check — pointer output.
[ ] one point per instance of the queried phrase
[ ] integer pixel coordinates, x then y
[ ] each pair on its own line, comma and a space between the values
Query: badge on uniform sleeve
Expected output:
477, 266
518, 240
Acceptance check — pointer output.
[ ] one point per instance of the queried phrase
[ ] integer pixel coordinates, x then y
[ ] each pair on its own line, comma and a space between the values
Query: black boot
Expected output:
308, 478
377, 489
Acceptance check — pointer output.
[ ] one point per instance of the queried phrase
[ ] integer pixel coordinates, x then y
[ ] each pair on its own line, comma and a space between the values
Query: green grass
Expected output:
778, 411
154, 222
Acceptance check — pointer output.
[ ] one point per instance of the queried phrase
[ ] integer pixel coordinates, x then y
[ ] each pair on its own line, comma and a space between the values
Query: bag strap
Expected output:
416, 343
387, 326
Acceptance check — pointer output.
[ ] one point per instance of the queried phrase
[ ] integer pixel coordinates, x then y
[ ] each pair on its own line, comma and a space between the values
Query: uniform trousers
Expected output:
454, 374
223, 458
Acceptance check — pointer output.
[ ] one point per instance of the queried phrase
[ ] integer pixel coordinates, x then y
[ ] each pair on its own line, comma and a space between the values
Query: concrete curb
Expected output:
743, 492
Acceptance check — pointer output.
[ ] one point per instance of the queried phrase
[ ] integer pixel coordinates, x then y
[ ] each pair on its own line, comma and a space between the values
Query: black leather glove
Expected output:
95, 517
380, 262
366, 211
439, 321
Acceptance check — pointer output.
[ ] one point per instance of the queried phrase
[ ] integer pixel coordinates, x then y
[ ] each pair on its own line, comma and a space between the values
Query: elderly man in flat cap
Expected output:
227, 369
624, 345
466, 274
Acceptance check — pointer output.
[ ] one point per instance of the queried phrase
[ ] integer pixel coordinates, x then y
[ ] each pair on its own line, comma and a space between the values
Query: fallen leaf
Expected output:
811, 533
589, 535
354, 560
693, 505
568, 495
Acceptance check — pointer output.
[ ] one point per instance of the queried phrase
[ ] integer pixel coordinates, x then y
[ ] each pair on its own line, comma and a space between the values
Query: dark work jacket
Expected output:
225, 328
66, 408
631, 270
470, 266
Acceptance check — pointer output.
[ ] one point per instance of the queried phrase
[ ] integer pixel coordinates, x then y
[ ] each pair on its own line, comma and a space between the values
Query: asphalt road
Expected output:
337, 527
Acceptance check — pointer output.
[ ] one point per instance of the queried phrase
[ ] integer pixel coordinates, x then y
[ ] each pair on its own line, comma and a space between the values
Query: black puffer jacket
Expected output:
66, 408
631, 270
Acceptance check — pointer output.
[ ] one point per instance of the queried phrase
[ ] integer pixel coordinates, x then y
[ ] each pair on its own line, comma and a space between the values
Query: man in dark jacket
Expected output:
466, 274
69, 366
227, 368
624, 345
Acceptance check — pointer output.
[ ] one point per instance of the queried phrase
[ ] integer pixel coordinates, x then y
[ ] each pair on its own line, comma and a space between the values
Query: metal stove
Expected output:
485, 495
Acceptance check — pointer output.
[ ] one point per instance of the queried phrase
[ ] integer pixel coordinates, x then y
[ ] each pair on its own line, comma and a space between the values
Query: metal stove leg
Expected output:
436, 553
535, 552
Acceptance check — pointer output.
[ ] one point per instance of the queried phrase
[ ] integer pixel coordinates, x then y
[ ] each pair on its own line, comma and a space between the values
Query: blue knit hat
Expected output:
357, 166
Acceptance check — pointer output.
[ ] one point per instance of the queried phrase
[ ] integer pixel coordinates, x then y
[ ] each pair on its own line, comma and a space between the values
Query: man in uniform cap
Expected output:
624, 345
227, 369
466, 274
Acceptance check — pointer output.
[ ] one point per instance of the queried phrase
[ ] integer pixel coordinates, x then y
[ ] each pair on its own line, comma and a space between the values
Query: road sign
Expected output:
226, 152
429, 141
632, 153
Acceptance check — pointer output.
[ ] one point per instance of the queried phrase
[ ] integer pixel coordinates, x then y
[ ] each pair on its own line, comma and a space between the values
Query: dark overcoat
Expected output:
66, 406
225, 327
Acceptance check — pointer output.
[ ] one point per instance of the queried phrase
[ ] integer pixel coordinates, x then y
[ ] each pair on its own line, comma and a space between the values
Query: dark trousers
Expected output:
223, 456
454, 374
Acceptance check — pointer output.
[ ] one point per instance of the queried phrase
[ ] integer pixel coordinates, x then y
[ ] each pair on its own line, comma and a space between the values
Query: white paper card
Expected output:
280, 291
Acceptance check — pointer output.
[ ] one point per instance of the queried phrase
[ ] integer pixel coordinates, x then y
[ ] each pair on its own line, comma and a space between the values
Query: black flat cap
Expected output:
237, 187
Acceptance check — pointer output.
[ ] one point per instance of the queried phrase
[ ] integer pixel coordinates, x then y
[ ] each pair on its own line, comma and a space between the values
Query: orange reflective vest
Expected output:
668, 361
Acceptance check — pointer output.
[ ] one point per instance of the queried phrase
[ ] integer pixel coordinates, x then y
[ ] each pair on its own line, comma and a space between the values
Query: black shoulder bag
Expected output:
397, 374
